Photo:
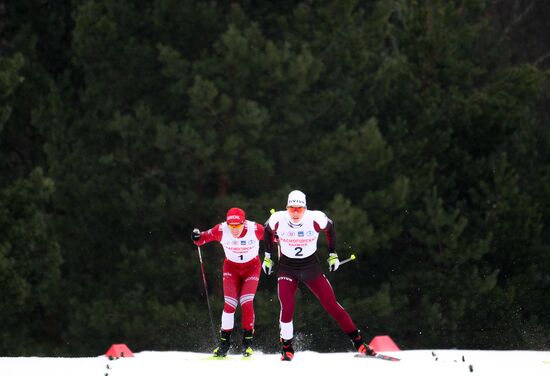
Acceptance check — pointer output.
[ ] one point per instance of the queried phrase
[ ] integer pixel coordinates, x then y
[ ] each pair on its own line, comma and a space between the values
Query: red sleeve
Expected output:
259, 231
214, 234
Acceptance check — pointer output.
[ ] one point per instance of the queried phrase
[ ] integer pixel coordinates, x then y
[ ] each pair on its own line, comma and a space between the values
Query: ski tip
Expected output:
378, 356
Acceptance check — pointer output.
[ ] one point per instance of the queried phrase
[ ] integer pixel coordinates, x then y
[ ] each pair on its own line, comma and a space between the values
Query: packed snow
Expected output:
305, 363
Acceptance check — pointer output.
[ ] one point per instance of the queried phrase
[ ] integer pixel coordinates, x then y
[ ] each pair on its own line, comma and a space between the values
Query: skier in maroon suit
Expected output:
297, 230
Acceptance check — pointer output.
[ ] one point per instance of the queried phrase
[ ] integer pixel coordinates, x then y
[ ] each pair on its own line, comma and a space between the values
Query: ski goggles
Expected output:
296, 209
235, 225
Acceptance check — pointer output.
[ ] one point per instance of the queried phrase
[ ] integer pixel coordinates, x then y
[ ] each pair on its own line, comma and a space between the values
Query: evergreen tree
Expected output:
418, 127
29, 268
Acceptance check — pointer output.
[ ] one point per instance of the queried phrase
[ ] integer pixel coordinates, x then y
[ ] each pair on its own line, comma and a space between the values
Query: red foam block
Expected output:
383, 343
119, 350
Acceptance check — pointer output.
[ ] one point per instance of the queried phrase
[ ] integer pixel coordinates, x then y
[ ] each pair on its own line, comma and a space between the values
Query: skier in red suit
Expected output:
240, 240
297, 230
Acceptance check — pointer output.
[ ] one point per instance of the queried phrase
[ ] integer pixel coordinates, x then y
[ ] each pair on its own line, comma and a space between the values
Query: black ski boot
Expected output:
248, 335
359, 343
287, 352
224, 345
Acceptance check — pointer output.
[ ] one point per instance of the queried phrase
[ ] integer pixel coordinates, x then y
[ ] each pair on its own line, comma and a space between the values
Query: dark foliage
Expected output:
421, 128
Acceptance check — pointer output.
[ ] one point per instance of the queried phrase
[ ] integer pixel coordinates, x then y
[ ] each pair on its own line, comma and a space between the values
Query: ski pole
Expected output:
206, 292
351, 258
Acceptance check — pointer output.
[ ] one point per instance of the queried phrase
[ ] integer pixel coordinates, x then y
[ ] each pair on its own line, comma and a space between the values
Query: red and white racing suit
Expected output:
241, 270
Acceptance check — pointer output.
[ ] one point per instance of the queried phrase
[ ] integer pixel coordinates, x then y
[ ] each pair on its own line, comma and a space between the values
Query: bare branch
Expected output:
542, 58
519, 17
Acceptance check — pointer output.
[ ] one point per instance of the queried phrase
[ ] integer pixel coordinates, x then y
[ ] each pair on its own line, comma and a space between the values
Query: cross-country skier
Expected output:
240, 239
297, 230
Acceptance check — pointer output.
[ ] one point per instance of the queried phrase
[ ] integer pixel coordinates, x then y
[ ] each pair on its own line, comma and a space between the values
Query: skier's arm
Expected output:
268, 238
267, 264
213, 234
333, 261
260, 231
330, 233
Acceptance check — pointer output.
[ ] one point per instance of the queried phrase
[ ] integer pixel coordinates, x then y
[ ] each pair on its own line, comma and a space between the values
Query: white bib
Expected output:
243, 249
298, 240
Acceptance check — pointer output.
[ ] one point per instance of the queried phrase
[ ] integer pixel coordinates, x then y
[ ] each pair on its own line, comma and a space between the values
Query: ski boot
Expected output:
360, 345
248, 335
223, 346
287, 352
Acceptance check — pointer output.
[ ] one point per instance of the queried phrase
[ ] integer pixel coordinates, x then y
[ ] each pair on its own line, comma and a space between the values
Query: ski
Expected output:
228, 357
218, 358
378, 356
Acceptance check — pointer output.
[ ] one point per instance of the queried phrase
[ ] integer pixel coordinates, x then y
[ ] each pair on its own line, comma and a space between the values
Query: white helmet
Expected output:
296, 198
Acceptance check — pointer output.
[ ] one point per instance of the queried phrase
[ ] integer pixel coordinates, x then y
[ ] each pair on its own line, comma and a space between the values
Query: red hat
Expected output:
235, 216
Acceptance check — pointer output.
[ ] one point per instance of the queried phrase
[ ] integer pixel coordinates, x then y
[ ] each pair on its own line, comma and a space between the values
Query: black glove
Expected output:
196, 235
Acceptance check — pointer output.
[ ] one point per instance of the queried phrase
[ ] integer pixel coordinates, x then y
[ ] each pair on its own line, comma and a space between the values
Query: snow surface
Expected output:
306, 363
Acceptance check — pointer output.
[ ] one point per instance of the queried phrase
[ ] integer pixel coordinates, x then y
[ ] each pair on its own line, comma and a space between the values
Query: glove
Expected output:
267, 265
333, 262
196, 235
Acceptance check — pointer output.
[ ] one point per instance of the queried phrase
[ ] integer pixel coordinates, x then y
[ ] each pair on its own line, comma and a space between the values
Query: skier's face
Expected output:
296, 213
236, 229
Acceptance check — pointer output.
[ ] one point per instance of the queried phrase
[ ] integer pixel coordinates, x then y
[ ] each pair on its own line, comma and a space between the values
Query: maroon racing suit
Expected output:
298, 262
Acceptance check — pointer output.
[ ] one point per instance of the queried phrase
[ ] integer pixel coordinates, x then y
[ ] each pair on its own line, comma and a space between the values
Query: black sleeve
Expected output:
268, 238
331, 236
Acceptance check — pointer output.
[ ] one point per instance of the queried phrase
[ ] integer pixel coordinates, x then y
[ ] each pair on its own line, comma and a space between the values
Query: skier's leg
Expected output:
322, 289
248, 291
231, 286
286, 290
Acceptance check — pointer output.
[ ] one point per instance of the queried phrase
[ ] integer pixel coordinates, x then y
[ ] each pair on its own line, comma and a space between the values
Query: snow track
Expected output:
305, 363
